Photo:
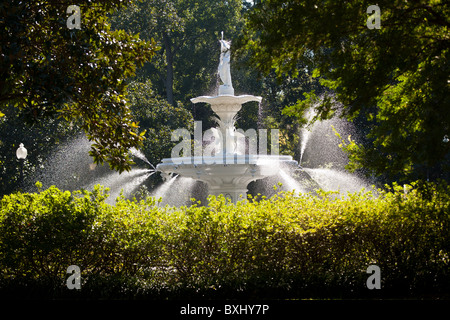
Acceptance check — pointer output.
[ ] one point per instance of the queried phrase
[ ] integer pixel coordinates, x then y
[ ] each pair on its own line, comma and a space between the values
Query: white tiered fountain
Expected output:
230, 165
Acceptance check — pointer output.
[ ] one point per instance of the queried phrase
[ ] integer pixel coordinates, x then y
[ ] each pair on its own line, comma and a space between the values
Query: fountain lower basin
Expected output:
226, 174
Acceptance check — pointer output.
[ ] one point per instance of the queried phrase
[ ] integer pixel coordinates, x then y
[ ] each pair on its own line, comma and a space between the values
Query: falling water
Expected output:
181, 191
322, 160
266, 186
138, 154
125, 182
260, 116
177, 191
335, 180
305, 133
70, 167
290, 183
162, 190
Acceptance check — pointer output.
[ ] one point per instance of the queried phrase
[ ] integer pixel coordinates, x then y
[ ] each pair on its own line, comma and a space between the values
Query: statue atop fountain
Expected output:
224, 69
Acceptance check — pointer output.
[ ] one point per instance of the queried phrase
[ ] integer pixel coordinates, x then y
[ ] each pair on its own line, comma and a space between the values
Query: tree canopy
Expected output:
48, 70
393, 81
188, 32
396, 77
159, 118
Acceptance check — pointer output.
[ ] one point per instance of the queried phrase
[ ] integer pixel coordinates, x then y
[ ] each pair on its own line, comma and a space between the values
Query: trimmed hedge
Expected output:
289, 246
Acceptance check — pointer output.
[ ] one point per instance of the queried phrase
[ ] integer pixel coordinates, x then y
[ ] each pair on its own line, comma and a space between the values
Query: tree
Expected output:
155, 19
396, 76
159, 118
39, 140
49, 70
188, 32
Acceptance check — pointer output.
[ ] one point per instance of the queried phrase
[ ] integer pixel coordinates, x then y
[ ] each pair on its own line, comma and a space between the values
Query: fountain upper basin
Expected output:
226, 99
226, 106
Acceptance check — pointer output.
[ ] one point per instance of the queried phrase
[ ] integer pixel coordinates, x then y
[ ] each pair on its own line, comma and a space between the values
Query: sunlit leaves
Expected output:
49, 70
187, 31
397, 76
158, 118
302, 245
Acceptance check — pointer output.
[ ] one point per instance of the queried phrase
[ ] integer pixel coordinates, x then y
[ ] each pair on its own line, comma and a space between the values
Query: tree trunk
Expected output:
169, 68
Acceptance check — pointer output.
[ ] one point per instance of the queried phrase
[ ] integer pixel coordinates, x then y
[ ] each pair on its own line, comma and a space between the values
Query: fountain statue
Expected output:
229, 165
224, 69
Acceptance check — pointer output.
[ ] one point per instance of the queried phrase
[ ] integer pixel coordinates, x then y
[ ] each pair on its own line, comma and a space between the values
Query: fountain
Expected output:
229, 164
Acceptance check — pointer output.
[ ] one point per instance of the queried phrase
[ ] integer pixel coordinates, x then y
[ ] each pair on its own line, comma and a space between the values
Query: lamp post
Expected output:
21, 154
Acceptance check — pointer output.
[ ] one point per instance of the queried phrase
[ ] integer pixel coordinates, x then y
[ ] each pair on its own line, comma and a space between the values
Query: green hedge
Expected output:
289, 246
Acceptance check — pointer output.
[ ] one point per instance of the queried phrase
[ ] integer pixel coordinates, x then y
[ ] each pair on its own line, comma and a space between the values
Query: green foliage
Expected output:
188, 33
49, 70
37, 140
396, 76
281, 93
158, 118
288, 246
